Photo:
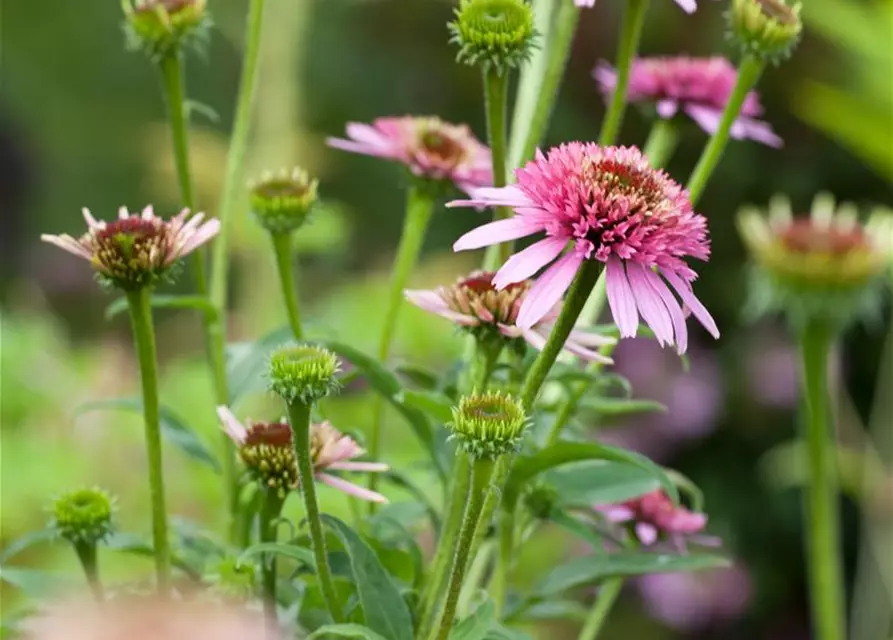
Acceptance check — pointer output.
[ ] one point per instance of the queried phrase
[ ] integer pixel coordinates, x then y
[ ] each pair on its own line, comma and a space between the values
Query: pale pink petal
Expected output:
620, 299
548, 290
616, 512
69, 244
646, 533
673, 307
586, 354
707, 117
204, 233
605, 75
667, 108
525, 263
231, 426
123, 213
688, 6
650, 304
510, 196
358, 147
148, 212
759, 131
498, 231
368, 135
91, 221
688, 297
591, 339
371, 467
350, 489
433, 303
584, 3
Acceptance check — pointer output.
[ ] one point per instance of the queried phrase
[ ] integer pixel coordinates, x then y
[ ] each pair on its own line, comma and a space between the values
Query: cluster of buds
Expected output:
83, 516
282, 202
493, 34
489, 425
161, 27
767, 29
827, 265
303, 373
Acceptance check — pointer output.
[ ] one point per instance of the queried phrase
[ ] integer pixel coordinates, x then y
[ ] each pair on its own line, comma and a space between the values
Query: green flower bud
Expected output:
489, 425
540, 500
495, 34
160, 26
767, 29
827, 266
282, 203
303, 373
83, 516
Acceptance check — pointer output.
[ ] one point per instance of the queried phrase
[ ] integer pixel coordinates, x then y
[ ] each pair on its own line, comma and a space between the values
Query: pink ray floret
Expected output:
698, 87
428, 146
476, 302
606, 204
689, 6
654, 516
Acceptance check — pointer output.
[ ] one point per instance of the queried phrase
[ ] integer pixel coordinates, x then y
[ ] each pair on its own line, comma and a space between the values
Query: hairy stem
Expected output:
270, 509
282, 249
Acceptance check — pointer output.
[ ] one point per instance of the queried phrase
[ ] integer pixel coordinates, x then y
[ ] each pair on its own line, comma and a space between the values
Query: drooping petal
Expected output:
548, 290
350, 488
590, 339
69, 244
688, 297
574, 347
371, 467
759, 131
672, 305
650, 304
525, 263
707, 117
368, 135
433, 303
233, 428
621, 299
498, 231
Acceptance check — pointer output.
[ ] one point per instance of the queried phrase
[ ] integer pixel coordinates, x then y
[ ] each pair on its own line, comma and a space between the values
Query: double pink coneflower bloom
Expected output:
606, 204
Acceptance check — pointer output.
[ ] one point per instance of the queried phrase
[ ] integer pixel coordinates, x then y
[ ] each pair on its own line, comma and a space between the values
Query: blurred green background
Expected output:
82, 123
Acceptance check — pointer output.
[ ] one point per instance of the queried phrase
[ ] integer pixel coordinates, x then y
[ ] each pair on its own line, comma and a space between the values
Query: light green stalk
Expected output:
282, 247
604, 601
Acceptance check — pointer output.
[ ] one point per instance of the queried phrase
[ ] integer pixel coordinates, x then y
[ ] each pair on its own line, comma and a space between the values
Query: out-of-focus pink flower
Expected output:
699, 87
688, 6
475, 303
654, 516
692, 602
610, 205
266, 449
137, 250
428, 146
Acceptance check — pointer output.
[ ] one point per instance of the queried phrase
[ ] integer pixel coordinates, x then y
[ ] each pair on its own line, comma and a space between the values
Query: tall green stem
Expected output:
496, 101
822, 499
573, 305
630, 36
481, 472
282, 249
605, 599
144, 340
749, 72
299, 419
86, 552
661, 142
499, 586
235, 163
272, 506
419, 207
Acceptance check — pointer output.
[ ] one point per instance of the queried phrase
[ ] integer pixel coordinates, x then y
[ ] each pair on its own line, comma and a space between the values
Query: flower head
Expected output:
496, 34
688, 6
475, 304
654, 516
609, 205
827, 264
137, 251
428, 146
282, 202
268, 453
489, 425
160, 26
767, 29
83, 516
303, 373
699, 87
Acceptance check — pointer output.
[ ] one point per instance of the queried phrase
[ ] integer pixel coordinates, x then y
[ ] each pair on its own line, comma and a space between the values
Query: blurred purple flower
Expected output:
654, 517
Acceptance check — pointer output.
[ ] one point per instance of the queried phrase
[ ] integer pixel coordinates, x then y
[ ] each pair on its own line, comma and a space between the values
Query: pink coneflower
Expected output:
428, 146
654, 516
136, 251
476, 304
611, 206
267, 451
698, 86
688, 6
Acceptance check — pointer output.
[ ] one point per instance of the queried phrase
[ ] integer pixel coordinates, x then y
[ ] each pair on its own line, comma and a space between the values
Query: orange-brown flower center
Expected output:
440, 145
274, 434
802, 236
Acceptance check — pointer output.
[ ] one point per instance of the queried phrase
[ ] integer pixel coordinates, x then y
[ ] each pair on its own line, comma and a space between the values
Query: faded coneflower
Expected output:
428, 146
475, 304
653, 516
699, 87
137, 251
611, 206
688, 6
268, 453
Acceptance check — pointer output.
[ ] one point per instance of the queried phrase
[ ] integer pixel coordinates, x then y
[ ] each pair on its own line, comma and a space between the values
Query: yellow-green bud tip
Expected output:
83, 516
767, 29
497, 34
303, 373
489, 425
282, 202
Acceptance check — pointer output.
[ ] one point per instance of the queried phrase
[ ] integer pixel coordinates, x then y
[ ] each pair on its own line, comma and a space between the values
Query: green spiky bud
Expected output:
159, 27
303, 373
269, 456
489, 425
540, 501
493, 34
83, 516
282, 202
767, 29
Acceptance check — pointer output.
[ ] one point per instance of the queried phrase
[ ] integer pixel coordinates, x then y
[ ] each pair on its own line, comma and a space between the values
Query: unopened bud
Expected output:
767, 29
489, 425
83, 516
282, 202
303, 373
160, 26
493, 34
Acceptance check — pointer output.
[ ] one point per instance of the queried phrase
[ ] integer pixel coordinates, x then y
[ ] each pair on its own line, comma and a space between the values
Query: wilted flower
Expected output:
137, 251
428, 146
654, 516
688, 6
612, 206
700, 87
475, 304
267, 451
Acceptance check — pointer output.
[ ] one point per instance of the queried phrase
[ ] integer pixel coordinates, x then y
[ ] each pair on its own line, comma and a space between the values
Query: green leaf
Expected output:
177, 432
247, 363
388, 386
477, 625
385, 610
432, 403
592, 569
301, 554
162, 301
345, 631
600, 482
34, 583
689, 488
528, 467
620, 406
578, 528
419, 376
557, 610
26, 541
135, 545
404, 482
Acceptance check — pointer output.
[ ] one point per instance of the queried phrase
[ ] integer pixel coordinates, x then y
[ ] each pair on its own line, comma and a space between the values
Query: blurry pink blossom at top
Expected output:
428, 146
606, 204
688, 6
699, 87
654, 517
